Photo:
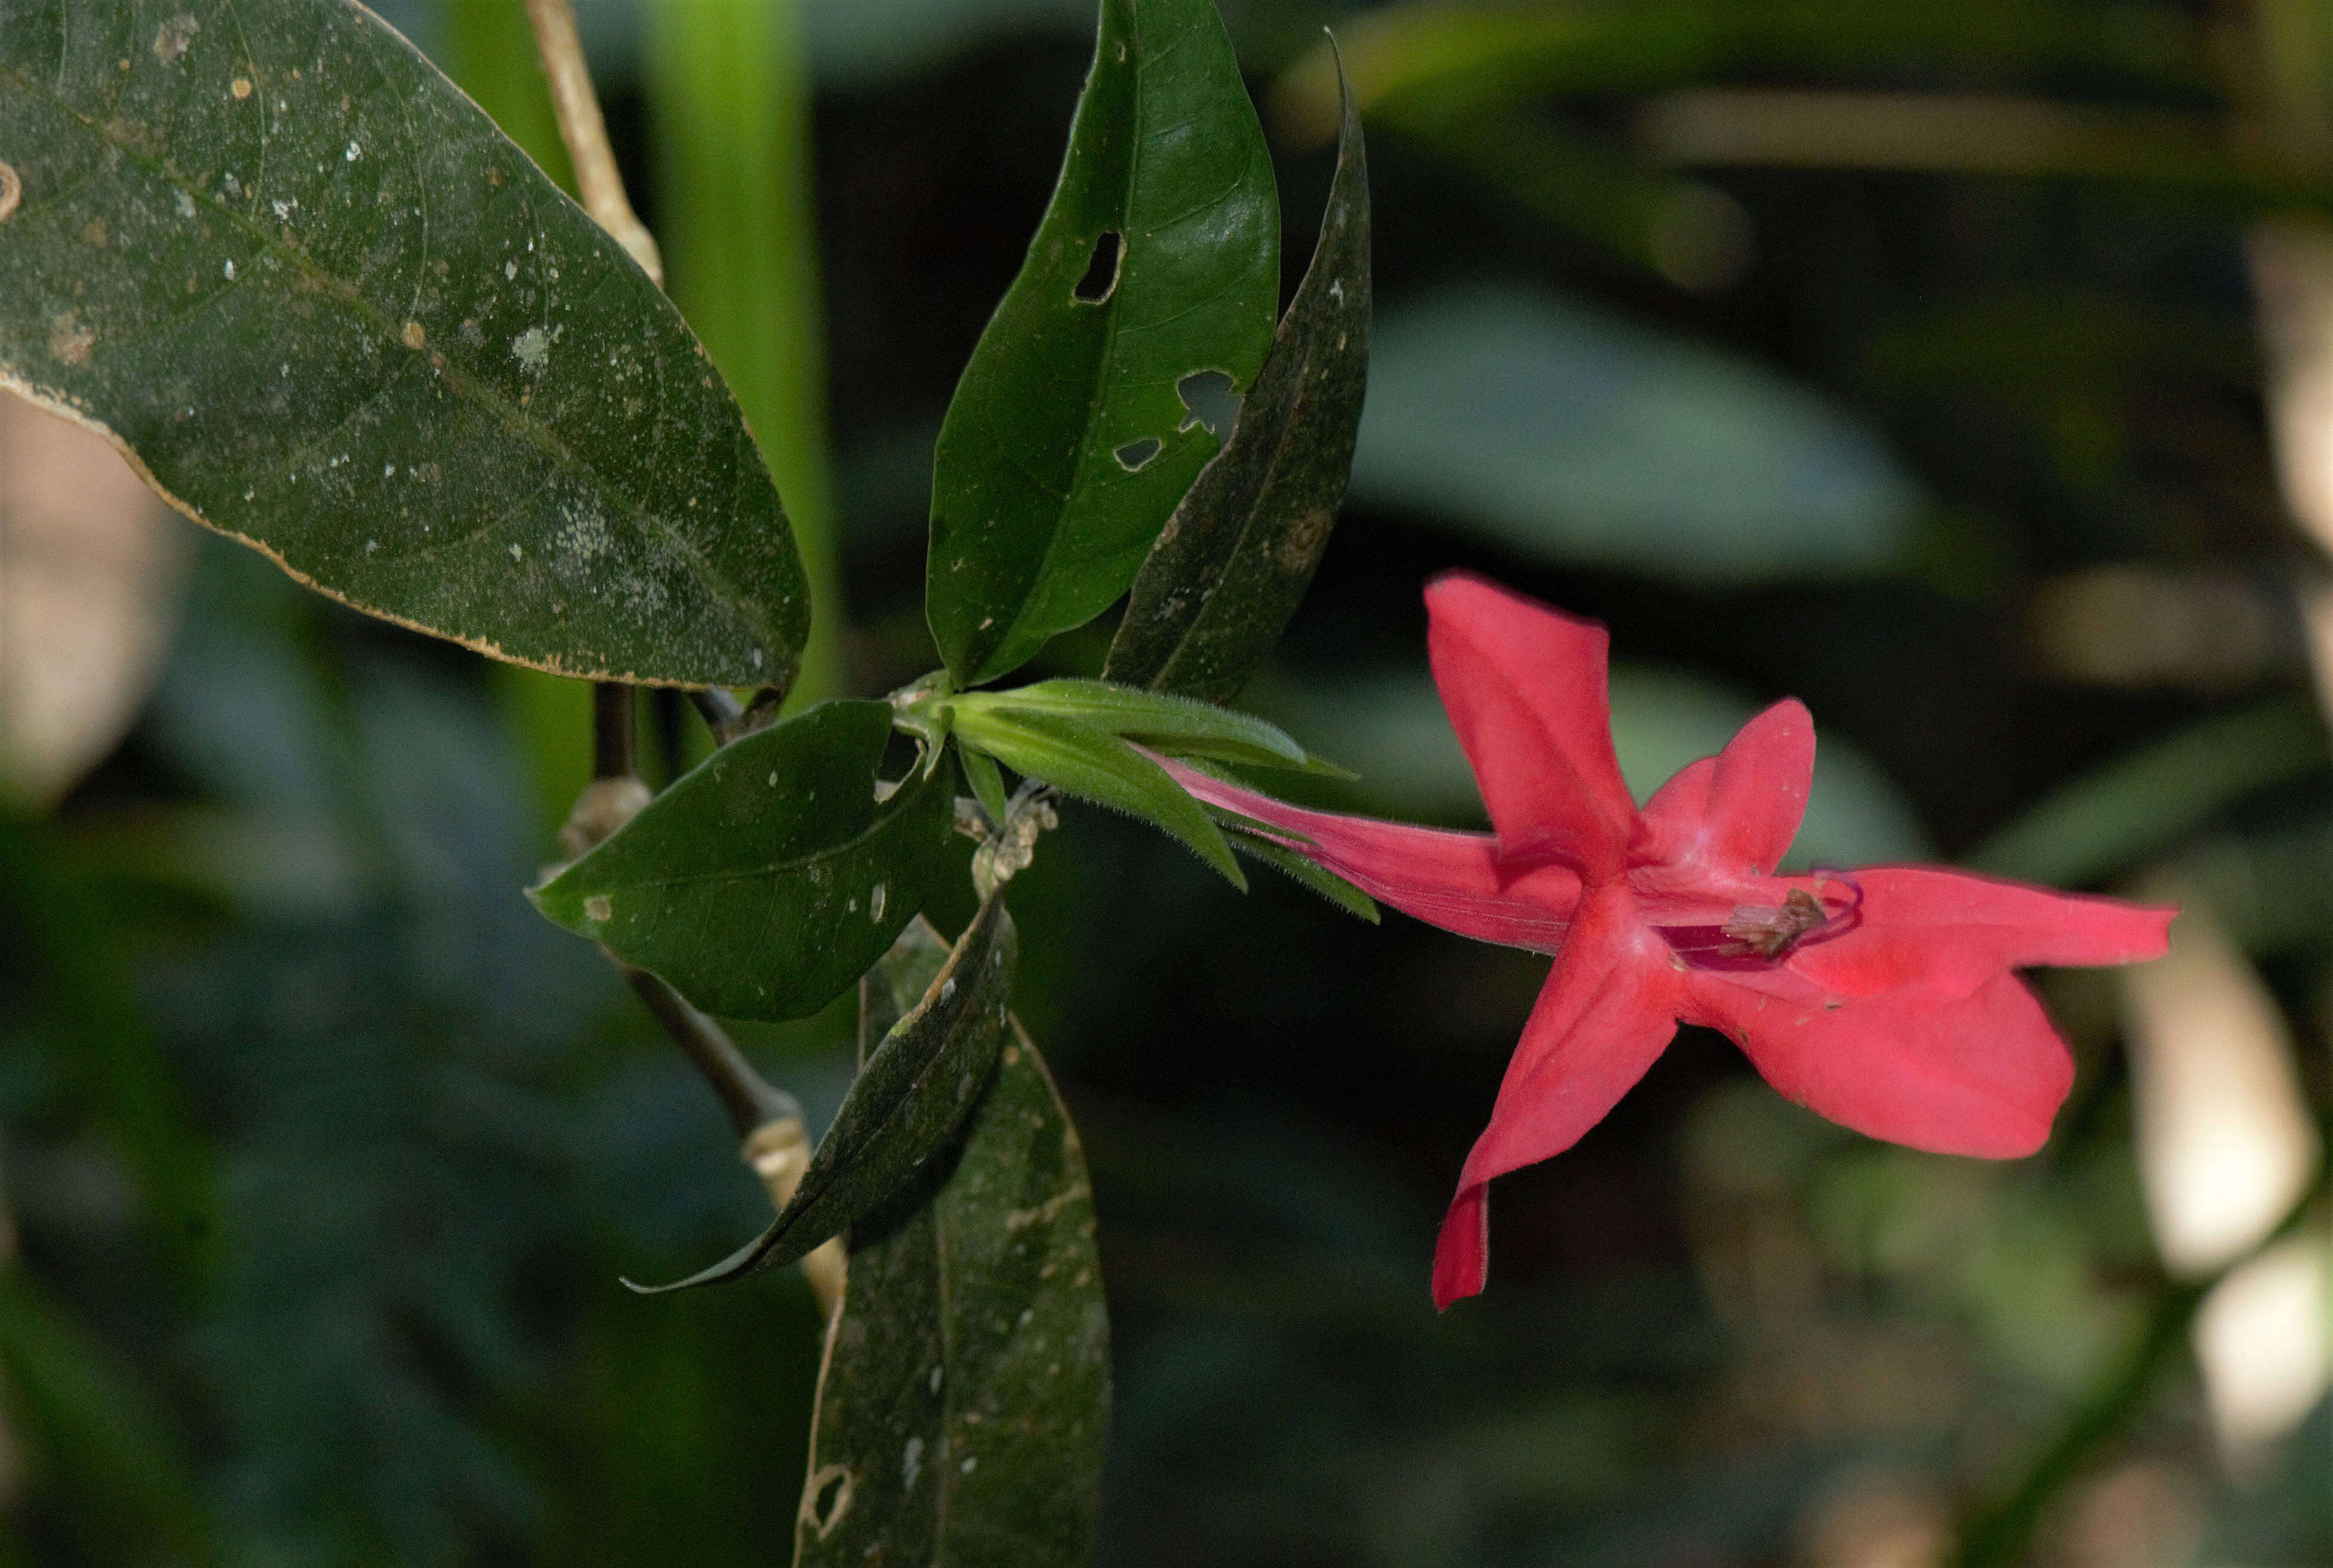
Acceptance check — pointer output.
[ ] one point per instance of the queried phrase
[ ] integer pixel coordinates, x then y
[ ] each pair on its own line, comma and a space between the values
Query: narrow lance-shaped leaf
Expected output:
1155, 275
964, 1405
909, 1100
329, 309
1234, 561
763, 882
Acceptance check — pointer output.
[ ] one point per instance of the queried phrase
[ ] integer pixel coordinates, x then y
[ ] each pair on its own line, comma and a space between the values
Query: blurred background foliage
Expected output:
1966, 370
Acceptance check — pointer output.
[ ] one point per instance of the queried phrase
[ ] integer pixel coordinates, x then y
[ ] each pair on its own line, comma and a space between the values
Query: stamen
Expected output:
1762, 936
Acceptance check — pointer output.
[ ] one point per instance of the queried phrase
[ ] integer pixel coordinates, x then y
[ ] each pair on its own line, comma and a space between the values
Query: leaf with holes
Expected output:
1234, 561
767, 879
912, 1094
963, 1406
1148, 291
329, 310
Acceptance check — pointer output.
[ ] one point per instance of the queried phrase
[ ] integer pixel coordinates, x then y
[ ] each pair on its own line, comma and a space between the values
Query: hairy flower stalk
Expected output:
1885, 999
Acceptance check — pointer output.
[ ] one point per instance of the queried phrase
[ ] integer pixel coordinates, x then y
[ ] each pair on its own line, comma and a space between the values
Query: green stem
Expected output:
729, 88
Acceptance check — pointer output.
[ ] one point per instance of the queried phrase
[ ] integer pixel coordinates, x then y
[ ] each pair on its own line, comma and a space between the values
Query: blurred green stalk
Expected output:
729, 90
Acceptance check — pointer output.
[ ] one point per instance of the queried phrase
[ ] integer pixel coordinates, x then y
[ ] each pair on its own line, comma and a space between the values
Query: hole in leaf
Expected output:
827, 1499
1135, 455
1100, 280
1211, 399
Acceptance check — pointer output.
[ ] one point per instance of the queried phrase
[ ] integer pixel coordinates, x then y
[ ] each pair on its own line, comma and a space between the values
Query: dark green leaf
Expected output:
905, 1106
965, 1403
767, 879
1235, 559
1073, 432
1178, 725
1095, 765
329, 310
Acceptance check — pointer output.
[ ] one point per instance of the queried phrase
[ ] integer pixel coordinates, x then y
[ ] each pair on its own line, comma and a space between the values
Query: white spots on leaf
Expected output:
773, 778
911, 1463
174, 38
241, 87
532, 349
230, 271
186, 205
875, 902
69, 340
586, 537
510, 270
599, 908
284, 210
371, 545
12, 191
935, 1380
517, 554
948, 989
354, 151
969, 1462
755, 654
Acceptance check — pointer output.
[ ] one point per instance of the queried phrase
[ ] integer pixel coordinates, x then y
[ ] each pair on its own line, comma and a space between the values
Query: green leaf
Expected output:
766, 881
1178, 725
1096, 766
987, 784
906, 1105
1234, 561
2110, 820
1553, 430
331, 310
1073, 433
963, 1406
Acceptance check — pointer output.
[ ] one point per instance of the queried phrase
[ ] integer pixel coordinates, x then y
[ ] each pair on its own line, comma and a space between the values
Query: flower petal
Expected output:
1759, 793
1670, 825
1979, 1074
1449, 880
1954, 932
1608, 1010
1525, 689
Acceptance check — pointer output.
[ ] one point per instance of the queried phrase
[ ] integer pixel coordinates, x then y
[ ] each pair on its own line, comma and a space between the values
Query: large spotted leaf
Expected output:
329, 309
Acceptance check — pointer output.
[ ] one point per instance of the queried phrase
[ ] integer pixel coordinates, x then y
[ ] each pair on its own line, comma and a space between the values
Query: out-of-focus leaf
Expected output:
2116, 817
334, 313
906, 1106
1095, 765
767, 879
1473, 56
1572, 437
1232, 564
102, 1437
1181, 725
1078, 423
964, 1403
1393, 731
89, 569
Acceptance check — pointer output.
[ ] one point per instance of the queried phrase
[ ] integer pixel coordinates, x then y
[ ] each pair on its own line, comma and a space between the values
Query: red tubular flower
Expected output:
1885, 999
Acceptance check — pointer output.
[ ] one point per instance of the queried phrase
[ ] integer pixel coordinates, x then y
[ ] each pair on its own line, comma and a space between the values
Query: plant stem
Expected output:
773, 1135
597, 179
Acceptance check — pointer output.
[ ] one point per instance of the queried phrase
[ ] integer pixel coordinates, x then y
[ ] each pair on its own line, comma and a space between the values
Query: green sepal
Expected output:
1177, 726
1097, 767
987, 784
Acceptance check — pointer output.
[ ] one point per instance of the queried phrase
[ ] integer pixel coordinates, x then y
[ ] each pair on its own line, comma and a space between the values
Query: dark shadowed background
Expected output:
1963, 370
